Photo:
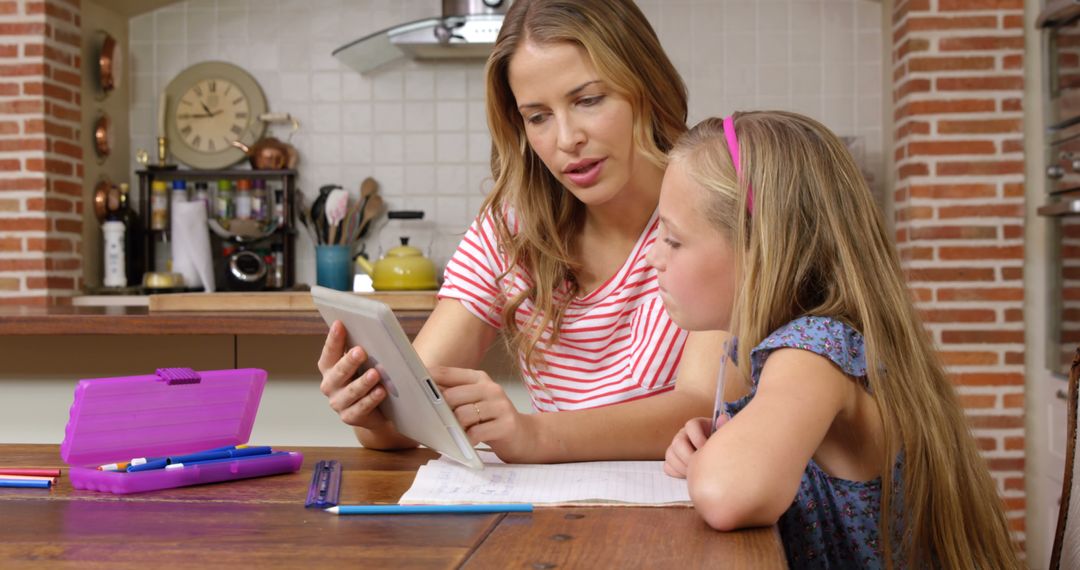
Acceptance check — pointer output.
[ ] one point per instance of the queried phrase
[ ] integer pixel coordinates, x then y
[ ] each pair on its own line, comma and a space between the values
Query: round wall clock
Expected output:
208, 106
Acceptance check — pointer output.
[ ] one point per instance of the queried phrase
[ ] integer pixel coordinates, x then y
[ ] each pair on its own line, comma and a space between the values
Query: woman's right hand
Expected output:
355, 400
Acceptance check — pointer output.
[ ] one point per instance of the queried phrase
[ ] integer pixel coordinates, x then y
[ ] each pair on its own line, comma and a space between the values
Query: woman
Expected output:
583, 105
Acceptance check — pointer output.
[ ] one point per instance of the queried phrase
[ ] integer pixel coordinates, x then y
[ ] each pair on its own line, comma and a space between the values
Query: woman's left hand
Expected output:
485, 412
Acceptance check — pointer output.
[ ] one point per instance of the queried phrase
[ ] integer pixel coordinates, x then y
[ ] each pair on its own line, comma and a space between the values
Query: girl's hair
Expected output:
625, 51
813, 242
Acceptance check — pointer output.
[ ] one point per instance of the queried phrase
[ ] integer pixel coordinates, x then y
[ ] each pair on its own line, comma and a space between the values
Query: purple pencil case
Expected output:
172, 412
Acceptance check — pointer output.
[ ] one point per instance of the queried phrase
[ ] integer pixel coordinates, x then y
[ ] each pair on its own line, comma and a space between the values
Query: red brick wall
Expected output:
959, 207
40, 157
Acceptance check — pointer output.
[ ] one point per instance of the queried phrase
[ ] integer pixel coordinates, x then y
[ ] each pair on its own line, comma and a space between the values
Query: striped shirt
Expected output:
616, 344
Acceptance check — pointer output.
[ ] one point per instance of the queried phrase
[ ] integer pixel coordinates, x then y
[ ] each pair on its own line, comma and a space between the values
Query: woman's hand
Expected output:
687, 442
356, 400
487, 414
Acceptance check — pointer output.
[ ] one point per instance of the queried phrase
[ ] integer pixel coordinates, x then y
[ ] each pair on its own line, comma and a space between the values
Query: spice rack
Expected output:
281, 189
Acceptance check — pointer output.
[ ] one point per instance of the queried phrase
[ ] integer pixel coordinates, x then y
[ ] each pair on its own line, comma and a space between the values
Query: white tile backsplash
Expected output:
420, 128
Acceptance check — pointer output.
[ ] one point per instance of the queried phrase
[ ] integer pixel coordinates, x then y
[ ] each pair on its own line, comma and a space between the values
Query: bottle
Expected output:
275, 267
259, 200
159, 205
202, 194
179, 191
224, 207
279, 206
115, 276
243, 199
133, 231
162, 253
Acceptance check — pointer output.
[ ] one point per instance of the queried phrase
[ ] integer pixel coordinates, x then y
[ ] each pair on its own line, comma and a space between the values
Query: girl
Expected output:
583, 106
850, 438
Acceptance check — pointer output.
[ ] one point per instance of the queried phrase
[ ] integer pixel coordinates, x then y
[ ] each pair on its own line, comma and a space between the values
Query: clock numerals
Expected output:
213, 105
210, 121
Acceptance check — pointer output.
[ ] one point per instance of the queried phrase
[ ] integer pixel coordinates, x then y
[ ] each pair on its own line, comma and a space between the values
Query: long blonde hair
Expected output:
816, 244
625, 52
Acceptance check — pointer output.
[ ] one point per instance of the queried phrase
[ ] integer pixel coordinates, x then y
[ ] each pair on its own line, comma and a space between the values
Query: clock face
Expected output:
209, 106
212, 114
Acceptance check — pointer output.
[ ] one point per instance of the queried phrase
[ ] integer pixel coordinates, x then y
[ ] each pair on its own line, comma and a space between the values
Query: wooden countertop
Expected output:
261, 522
20, 320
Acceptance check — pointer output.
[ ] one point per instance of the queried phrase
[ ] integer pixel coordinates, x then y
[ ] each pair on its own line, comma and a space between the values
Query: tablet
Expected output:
413, 401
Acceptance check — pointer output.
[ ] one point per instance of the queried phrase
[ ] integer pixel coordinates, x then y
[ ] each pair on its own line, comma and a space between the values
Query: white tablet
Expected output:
414, 402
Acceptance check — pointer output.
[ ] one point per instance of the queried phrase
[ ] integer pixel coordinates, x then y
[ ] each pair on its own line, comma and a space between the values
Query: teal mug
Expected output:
333, 267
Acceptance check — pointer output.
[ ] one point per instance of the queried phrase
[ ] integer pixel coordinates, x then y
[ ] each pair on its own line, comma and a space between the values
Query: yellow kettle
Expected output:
403, 268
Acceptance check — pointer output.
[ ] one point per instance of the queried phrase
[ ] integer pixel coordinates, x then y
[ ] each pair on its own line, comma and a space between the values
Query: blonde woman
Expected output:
583, 106
851, 437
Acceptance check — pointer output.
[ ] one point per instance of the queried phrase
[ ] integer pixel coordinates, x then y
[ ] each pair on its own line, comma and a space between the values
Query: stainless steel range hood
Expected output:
466, 30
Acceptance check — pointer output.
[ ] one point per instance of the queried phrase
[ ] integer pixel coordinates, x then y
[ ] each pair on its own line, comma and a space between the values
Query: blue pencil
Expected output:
430, 509
25, 483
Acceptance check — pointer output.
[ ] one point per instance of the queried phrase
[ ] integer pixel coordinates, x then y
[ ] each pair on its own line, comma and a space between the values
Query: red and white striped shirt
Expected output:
616, 344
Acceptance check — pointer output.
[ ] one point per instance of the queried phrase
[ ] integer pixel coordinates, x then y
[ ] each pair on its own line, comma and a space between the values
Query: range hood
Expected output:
466, 30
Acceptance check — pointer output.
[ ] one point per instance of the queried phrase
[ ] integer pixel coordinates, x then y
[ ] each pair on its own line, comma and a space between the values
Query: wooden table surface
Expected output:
140, 321
262, 523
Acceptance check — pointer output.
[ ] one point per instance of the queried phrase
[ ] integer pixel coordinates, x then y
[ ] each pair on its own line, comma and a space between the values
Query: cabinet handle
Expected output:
1061, 395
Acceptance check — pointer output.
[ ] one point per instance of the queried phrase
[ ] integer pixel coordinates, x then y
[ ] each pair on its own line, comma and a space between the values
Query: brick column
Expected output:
959, 207
40, 157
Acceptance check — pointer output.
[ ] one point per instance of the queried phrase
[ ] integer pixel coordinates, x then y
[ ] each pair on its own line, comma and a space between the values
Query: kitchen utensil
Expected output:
102, 137
269, 153
101, 198
337, 204
317, 211
108, 64
372, 209
403, 268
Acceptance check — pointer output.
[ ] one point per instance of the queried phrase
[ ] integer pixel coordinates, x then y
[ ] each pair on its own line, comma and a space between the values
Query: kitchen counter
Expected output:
23, 320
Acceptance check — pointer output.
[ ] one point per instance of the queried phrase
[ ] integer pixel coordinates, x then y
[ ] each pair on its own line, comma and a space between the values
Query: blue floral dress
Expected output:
833, 522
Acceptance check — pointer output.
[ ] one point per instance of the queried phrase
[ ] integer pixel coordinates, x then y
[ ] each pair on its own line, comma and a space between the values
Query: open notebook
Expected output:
628, 483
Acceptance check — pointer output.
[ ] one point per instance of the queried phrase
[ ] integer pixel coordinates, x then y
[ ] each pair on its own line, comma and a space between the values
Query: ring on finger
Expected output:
476, 407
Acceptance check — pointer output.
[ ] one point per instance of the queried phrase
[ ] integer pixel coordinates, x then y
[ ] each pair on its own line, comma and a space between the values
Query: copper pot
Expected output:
269, 154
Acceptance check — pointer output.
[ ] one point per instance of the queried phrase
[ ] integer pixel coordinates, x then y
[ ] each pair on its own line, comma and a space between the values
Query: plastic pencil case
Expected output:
174, 411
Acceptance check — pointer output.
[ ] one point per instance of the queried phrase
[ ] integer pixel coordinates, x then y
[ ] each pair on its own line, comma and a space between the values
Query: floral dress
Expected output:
833, 522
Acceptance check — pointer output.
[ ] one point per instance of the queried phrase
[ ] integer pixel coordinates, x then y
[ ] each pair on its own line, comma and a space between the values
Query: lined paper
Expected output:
629, 483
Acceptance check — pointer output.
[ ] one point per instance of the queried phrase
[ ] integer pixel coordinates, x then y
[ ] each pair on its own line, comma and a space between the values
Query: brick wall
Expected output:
959, 207
40, 157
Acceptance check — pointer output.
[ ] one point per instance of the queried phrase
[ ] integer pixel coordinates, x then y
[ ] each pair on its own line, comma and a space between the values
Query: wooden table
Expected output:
59, 320
262, 523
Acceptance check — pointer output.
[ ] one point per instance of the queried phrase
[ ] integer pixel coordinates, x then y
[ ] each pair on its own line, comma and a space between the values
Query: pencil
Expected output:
430, 509
28, 478
24, 483
37, 472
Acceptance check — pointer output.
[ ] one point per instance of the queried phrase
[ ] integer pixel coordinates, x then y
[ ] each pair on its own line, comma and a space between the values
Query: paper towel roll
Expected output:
191, 244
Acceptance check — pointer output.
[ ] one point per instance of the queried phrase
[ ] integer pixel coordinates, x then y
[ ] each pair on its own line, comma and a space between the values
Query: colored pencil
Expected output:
29, 478
430, 509
37, 472
25, 484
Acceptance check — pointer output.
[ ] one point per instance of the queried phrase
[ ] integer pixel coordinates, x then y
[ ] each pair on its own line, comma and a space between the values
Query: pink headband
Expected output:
733, 148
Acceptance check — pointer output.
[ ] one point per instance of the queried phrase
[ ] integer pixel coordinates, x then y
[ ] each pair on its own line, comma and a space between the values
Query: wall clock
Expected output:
208, 106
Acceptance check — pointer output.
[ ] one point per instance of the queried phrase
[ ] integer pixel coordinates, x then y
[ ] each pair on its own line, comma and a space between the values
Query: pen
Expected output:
430, 509
718, 403
224, 460
25, 483
148, 465
221, 454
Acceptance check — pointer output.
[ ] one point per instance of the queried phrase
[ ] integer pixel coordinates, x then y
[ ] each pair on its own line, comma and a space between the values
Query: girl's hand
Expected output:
485, 412
690, 438
354, 399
